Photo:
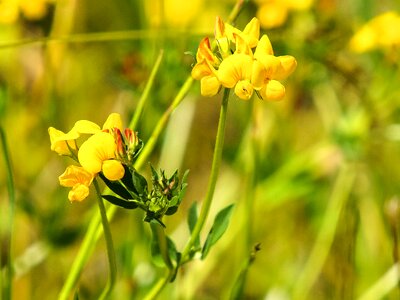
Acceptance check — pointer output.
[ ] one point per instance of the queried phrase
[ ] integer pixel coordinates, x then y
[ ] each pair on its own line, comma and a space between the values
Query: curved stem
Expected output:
110, 247
205, 209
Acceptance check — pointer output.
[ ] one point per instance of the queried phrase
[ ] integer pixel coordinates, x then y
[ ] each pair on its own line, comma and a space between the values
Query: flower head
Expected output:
241, 69
79, 180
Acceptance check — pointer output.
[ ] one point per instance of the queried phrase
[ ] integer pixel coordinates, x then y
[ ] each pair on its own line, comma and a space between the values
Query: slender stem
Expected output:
320, 250
109, 242
146, 91
205, 209
11, 197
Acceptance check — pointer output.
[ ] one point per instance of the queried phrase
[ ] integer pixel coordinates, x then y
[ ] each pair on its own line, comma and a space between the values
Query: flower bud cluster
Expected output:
231, 62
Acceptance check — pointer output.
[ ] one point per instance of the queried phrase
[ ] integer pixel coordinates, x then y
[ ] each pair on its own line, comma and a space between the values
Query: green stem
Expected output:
11, 197
205, 209
322, 245
146, 91
109, 242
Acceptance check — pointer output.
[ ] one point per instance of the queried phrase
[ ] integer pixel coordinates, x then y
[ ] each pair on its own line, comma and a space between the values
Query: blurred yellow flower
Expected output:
79, 180
274, 13
98, 149
380, 32
31, 9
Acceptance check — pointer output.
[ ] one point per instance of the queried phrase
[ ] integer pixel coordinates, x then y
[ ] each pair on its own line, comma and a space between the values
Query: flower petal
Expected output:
85, 127
78, 193
252, 32
95, 150
113, 169
60, 141
235, 68
74, 175
287, 67
244, 89
209, 86
113, 121
274, 91
264, 47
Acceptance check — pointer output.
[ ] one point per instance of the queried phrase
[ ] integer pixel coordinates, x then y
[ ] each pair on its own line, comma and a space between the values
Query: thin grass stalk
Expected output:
319, 253
7, 292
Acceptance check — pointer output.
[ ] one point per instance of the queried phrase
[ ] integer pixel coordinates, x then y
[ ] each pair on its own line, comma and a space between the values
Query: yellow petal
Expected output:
85, 127
74, 175
363, 40
201, 69
204, 52
259, 75
78, 193
113, 121
252, 32
274, 91
95, 150
113, 169
244, 89
60, 141
264, 47
209, 86
242, 47
235, 68
287, 66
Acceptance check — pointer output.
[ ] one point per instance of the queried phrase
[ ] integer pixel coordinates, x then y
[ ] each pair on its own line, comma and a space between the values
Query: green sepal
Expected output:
219, 227
121, 202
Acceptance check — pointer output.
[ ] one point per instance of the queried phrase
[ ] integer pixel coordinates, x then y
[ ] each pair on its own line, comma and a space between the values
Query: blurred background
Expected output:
315, 177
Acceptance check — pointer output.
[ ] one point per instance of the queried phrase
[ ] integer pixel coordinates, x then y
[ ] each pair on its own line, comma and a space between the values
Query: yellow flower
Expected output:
274, 13
113, 121
267, 69
380, 32
98, 149
79, 180
204, 69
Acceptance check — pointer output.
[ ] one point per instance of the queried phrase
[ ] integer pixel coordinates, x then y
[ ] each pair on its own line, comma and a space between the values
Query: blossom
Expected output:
96, 151
274, 13
380, 32
241, 69
79, 180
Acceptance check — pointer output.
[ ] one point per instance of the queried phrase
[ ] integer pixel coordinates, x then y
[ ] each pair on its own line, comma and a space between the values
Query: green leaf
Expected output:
192, 220
116, 187
120, 202
139, 183
218, 229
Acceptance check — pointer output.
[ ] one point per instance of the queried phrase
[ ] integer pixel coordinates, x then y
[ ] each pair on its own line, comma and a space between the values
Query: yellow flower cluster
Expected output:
104, 151
274, 13
231, 63
380, 32
31, 9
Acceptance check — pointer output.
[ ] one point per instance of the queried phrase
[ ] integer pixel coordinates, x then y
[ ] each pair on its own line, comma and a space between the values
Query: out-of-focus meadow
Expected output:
315, 177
